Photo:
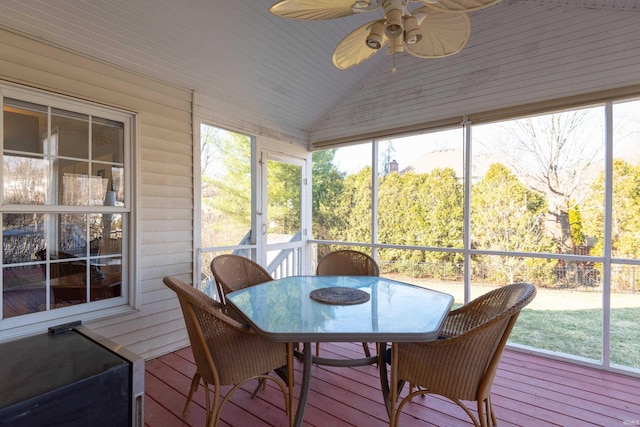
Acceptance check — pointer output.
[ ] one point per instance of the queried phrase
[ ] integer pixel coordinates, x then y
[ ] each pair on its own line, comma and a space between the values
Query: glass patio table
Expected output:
309, 309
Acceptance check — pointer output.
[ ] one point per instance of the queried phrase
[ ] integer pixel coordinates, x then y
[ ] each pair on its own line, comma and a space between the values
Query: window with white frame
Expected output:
65, 215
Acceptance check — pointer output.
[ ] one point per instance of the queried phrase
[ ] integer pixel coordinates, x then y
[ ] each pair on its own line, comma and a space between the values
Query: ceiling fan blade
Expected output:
312, 9
459, 5
353, 49
443, 34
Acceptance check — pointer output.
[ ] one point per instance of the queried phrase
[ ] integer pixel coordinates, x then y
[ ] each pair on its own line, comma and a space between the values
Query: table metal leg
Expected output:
384, 380
304, 387
308, 360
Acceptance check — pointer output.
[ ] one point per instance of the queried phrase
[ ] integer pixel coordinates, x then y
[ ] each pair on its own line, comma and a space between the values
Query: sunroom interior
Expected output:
217, 127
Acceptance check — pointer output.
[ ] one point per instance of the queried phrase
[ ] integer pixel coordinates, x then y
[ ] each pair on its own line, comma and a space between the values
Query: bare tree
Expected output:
25, 180
555, 154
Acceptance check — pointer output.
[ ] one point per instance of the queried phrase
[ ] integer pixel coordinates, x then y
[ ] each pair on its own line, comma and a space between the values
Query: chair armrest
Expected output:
225, 313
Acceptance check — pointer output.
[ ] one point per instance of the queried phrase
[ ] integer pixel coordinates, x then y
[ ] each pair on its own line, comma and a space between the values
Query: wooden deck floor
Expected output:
529, 391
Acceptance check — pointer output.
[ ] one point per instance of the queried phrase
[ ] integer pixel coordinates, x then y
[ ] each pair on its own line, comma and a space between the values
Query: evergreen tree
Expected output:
327, 187
507, 216
575, 224
625, 219
354, 208
421, 210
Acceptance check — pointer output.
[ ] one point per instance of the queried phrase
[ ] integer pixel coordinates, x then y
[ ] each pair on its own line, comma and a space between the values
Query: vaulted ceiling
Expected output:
269, 69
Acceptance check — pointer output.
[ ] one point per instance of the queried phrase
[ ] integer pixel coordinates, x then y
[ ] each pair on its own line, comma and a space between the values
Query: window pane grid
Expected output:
63, 212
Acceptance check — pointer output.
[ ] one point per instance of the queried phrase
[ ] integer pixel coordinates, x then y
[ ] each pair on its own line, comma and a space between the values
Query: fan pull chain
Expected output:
393, 69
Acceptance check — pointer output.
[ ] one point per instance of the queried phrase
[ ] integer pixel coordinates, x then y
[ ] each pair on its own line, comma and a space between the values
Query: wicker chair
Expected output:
227, 352
347, 263
463, 363
234, 272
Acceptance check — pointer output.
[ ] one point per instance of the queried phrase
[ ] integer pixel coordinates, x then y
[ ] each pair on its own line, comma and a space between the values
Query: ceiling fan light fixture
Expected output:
393, 11
374, 39
412, 33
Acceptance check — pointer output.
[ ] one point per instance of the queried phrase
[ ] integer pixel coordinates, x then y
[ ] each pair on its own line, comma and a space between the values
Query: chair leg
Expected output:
417, 387
365, 346
210, 407
493, 414
214, 406
317, 349
262, 383
290, 384
485, 413
194, 386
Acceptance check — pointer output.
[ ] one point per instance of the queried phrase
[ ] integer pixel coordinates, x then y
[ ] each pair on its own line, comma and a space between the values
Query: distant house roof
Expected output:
451, 158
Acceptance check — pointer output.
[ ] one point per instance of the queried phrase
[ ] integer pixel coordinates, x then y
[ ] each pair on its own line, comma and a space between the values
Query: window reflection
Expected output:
71, 132
23, 291
26, 180
83, 265
24, 126
107, 140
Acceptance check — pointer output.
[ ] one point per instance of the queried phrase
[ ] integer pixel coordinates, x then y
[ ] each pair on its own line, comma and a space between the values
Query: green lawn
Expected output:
579, 332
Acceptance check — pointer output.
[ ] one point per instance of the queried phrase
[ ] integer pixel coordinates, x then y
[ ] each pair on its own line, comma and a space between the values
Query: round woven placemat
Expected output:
339, 295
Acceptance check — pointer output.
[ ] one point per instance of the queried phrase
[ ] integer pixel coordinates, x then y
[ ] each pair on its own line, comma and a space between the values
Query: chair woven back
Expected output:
462, 365
347, 263
235, 272
494, 306
225, 350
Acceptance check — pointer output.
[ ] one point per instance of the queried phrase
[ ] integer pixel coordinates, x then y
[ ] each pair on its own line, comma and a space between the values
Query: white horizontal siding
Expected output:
517, 54
165, 177
162, 316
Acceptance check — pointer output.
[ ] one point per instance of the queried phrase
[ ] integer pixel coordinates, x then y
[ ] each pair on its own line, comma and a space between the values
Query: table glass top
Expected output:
283, 310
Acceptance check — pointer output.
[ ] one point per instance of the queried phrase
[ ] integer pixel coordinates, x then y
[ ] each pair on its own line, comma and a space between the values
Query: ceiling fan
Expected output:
436, 29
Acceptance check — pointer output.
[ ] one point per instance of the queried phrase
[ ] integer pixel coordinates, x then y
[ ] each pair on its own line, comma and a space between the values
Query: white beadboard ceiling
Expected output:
272, 70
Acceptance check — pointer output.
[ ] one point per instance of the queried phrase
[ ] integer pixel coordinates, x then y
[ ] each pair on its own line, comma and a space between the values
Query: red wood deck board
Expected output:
509, 400
560, 410
172, 402
365, 398
157, 415
579, 402
177, 372
185, 353
529, 391
581, 390
571, 370
348, 410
